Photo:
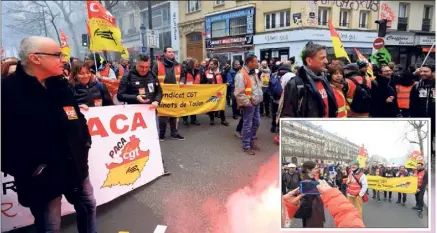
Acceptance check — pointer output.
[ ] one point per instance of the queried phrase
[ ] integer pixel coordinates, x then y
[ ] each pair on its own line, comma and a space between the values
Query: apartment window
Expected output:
219, 2
277, 20
193, 6
426, 21
131, 21
237, 26
323, 16
218, 29
160, 17
364, 19
403, 10
344, 18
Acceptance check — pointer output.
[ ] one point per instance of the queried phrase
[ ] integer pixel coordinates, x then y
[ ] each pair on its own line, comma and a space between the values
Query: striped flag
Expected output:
361, 57
336, 42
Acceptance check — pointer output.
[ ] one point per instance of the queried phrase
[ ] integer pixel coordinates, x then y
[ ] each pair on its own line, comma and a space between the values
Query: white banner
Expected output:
125, 155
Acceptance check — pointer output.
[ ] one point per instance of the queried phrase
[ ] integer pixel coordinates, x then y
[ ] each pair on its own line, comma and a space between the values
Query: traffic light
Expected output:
85, 40
382, 29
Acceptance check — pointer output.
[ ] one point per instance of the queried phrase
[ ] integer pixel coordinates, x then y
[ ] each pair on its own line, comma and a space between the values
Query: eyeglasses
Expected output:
59, 55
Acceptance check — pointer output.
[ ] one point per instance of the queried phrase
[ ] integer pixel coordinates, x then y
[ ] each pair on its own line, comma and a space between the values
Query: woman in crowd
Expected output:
344, 213
88, 91
213, 76
335, 78
8, 67
192, 76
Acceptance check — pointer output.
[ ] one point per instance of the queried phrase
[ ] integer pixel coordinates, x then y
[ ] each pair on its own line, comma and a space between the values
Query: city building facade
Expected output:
411, 31
302, 141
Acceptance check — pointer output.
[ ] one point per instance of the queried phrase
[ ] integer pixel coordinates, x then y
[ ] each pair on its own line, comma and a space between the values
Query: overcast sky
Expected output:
382, 138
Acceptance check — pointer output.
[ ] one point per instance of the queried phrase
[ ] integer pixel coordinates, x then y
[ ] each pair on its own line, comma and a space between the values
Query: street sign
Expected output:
152, 39
378, 43
143, 49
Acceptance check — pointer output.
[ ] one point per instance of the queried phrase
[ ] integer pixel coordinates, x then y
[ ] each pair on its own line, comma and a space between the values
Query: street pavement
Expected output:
384, 214
205, 169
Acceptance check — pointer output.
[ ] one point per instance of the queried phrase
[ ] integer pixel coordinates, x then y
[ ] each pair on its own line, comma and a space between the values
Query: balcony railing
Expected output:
343, 24
322, 23
362, 25
402, 24
426, 25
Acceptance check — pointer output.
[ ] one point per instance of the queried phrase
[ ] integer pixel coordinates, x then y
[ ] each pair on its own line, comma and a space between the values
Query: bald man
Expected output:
46, 139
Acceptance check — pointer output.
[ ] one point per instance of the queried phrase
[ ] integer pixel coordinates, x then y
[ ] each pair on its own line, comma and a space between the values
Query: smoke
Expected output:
255, 208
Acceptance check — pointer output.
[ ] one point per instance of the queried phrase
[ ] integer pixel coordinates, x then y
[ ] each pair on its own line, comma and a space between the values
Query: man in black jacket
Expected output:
309, 94
45, 139
384, 101
168, 71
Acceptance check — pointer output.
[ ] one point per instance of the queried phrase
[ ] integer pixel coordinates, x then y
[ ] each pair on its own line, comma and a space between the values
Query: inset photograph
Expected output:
356, 173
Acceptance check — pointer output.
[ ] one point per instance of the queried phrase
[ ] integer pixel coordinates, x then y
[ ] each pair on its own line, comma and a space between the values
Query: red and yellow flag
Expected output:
361, 57
104, 33
336, 42
413, 159
65, 48
362, 157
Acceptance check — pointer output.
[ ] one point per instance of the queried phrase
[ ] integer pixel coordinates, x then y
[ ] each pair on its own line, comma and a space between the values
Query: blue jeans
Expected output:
48, 216
251, 122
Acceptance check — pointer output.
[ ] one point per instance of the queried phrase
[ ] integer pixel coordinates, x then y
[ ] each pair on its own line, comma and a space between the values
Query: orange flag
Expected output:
336, 42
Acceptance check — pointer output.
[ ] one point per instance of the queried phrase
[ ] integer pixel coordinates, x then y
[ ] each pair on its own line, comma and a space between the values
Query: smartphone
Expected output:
309, 187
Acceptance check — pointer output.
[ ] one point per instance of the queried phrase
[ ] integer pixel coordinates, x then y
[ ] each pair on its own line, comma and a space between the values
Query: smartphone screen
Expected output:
309, 187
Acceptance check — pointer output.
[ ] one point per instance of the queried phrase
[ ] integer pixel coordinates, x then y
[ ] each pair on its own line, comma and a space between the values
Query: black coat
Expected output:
422, 101
92, 93
381, 89
132, 82
312, 104
37, 131
170, 77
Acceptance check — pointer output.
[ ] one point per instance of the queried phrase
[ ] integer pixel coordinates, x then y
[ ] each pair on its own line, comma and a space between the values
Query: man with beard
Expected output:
311, 209
168, 71
356, 186
422, 96
291, 177
403, 89
384, 102
422, 185
309, 94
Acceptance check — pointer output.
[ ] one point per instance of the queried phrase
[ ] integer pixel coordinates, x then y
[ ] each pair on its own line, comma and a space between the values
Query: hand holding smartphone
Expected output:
309, 187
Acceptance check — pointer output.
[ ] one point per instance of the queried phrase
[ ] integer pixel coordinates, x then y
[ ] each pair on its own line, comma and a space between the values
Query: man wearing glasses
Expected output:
46, 139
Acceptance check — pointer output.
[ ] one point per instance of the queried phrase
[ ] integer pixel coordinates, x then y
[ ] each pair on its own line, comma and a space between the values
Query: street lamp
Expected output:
143, 32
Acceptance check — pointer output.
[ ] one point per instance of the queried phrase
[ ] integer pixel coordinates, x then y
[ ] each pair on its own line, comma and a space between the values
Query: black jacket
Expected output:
37, 131
170, 77
312, 104
382, 88
132, 82
422, 101
291, 180
91, 94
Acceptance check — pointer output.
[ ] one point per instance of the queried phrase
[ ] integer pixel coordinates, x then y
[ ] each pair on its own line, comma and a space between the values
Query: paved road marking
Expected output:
160, 229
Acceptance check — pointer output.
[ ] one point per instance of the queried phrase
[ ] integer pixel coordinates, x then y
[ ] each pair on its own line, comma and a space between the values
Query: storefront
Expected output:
401, 47
423, 44
229, 34
275, 45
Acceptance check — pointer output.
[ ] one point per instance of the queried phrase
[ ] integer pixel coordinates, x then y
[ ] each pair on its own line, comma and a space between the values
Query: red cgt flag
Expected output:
96, 10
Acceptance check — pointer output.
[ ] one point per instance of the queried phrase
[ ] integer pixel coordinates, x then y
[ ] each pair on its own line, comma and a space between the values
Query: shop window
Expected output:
218, 29
344, 18
160, 17
323, 16
364, 19
277, 20
237, 26
164, 39
193, 6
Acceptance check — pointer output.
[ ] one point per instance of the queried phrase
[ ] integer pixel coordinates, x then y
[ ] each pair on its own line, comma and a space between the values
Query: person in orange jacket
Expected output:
344, 213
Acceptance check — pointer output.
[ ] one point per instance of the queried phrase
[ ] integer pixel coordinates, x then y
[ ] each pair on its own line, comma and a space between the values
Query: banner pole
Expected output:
427, 55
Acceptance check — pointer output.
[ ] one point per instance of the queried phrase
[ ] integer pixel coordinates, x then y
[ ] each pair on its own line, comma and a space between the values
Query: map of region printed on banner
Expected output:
125, 154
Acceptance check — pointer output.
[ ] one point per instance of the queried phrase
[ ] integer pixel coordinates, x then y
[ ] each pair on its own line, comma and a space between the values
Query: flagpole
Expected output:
423, 63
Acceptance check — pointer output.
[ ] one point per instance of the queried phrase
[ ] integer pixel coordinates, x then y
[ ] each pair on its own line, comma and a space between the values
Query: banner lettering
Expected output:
398, 184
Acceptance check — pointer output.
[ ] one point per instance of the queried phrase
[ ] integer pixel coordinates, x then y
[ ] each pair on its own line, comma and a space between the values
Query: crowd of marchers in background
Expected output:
344, 191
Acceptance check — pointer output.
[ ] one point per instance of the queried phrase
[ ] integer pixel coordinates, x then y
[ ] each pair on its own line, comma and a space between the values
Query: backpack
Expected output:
300, 94
361, 101
276, 88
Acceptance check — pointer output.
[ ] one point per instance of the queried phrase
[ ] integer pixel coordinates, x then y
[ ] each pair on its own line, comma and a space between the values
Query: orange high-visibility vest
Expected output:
341, 102
218, 77
351, 93
248, 83
419, 177
120, 71
192, 80
105, 72
161, 72
353, 187
403, 95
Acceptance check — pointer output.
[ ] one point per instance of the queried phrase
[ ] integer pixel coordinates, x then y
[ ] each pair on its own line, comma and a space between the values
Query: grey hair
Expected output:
28, 46
310, 51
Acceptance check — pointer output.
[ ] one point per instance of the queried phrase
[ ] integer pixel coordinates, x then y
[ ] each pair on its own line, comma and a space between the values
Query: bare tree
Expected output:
420, 134
109, 4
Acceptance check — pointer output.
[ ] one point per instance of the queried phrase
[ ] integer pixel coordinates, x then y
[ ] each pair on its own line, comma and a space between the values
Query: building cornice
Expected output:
187, 23
230, 9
